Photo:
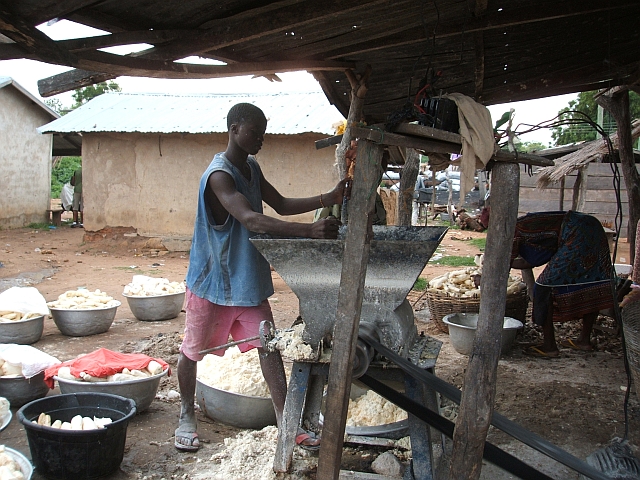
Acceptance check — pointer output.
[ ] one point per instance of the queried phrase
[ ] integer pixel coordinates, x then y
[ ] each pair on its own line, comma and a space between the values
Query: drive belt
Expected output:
499, 421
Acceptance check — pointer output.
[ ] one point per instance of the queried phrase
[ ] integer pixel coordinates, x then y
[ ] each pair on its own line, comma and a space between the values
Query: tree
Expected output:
61, 173
580, 130
83, 95
528, 147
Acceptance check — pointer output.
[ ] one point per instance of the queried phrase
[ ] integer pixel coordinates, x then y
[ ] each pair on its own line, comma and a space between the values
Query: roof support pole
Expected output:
354, 269
580, 189
407, 186
478, 394
345, 333
617, 103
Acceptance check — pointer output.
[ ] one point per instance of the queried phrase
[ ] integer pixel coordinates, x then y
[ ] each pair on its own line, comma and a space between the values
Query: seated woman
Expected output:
577, 280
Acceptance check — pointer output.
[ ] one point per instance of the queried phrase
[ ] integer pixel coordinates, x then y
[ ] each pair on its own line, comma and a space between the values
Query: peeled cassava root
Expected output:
460, 283
77, 423
153, 368
7, 316
83, 299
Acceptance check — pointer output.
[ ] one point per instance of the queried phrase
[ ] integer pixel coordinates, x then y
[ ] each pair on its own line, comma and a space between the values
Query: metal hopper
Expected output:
312, 269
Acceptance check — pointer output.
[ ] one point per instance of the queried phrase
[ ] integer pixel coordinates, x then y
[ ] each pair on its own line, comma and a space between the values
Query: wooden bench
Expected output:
55, 216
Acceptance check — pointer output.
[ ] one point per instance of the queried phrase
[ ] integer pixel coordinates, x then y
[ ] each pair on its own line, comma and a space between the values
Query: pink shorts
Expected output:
208, 325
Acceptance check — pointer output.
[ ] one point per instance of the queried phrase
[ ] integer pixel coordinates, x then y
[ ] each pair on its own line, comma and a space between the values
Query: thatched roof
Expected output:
590, 152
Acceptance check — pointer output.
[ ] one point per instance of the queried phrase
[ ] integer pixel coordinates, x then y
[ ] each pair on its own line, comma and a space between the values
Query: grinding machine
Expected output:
312, 268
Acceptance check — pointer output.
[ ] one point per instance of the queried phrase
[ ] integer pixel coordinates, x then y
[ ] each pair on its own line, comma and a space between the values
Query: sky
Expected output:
28, 72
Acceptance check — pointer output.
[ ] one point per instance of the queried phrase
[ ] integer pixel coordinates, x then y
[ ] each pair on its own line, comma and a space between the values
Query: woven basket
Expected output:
631, 330
441, 304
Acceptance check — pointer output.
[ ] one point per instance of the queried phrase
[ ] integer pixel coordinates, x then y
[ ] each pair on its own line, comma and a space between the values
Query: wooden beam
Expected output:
480, 9
345, 333
478, 394
424, 144
580, 190
71, 80
51, 9
32, 40
125, 38
231, 31
96, 67
12, 51
498, 20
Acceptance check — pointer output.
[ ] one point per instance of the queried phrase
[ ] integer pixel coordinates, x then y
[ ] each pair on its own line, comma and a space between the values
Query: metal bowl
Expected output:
242, 411
159, 307
23, 332
142, 391
21, 390
25, 465
463, 326
83, 322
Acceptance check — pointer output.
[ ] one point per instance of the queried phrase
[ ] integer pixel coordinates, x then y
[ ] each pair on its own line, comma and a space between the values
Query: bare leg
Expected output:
186, 435
548, 334
584, 340
75, 217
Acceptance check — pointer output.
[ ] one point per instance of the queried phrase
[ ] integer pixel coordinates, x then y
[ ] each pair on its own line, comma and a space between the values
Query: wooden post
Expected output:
561, 202
476, 406
345, 333
407, 186
580, 190
618, 105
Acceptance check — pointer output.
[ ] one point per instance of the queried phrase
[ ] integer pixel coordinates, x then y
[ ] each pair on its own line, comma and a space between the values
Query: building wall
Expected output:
600, 196
150, 181
25, 160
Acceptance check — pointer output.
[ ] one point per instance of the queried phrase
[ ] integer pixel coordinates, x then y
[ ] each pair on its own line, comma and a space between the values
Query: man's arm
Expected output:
294, 206
228, 198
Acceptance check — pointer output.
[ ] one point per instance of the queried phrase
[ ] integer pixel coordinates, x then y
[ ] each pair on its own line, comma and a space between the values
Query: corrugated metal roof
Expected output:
288, 113
6, 81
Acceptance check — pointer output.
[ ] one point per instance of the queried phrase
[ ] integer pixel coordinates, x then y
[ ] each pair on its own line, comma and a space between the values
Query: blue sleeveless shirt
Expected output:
224, 266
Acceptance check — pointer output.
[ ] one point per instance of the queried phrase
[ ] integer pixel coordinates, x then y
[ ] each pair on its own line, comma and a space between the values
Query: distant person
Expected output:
576, 282
77, 207
228, 280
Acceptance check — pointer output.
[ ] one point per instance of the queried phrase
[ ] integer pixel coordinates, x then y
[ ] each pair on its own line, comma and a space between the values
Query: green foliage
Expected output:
528, 147
455, 261
586, 104
56, 105
62, 173
420, 285
39, 226
83, 95
479, 243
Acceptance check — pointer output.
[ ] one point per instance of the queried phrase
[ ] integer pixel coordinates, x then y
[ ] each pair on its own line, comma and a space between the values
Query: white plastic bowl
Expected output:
462, 331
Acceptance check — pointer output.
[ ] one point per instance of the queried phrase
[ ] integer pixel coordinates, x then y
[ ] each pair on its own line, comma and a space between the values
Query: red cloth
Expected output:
102, 363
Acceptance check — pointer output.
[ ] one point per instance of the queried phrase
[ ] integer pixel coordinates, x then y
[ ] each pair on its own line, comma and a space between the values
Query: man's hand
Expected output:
341, 190
325, 228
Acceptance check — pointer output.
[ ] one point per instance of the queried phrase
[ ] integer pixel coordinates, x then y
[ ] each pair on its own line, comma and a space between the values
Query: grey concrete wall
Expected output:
150, 181
25, 160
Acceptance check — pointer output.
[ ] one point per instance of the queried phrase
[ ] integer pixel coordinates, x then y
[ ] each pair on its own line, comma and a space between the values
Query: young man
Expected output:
228, 280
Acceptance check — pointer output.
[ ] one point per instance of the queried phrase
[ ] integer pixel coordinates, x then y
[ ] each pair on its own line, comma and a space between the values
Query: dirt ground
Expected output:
575, 401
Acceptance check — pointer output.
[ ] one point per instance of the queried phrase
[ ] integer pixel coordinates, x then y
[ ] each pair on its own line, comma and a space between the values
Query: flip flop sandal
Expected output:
301, 437
568, 343
534, 351
192, 436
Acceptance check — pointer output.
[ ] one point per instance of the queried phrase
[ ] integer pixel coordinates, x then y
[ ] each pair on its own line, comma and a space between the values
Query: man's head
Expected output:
244, 112
246, 124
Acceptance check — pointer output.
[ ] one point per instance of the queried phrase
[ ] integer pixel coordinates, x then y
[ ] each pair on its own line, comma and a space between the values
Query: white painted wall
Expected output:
150, 181
25, 160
